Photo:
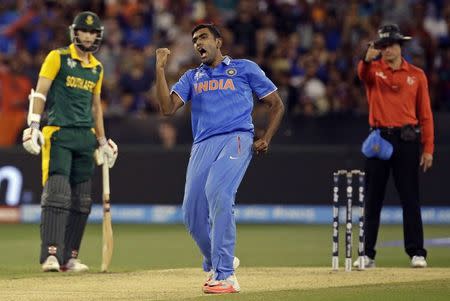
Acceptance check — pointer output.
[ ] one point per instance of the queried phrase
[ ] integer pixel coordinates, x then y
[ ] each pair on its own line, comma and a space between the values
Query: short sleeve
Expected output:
183, 87
258, 81
51, 65
98, 86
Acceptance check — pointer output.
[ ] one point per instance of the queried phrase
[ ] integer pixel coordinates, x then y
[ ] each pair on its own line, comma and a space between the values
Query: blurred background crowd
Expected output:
309, 48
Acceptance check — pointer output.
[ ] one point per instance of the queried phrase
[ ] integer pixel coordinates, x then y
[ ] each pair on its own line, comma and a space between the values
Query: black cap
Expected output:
389, 34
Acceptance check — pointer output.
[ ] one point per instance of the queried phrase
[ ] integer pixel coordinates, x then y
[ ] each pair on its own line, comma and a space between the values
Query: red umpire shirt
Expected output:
398, 97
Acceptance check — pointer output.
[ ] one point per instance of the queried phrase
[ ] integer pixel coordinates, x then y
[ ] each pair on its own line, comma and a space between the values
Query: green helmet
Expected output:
87, 21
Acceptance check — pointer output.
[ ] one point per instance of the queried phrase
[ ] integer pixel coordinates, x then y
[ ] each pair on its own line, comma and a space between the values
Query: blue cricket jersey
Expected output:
222, 97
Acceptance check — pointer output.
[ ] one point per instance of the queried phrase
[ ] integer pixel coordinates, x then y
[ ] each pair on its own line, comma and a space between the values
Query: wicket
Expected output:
348, 229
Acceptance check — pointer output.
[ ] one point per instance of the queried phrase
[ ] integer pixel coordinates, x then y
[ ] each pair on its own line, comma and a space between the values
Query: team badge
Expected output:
89, 20
410, 80
71, 63
381, 74
231, 72
376, 148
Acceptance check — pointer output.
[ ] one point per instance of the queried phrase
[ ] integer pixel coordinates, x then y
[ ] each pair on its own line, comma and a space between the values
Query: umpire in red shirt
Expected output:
399, 105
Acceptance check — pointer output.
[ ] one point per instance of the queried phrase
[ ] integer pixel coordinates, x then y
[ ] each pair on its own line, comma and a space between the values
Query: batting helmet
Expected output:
87, 21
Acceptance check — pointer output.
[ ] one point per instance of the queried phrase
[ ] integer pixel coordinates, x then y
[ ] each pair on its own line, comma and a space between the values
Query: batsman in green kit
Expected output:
68, 89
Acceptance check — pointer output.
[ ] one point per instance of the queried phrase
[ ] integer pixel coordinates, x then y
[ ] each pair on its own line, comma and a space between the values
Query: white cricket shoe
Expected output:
210, 274
418, 262
51, 264
227, 286
75, 265
368, 262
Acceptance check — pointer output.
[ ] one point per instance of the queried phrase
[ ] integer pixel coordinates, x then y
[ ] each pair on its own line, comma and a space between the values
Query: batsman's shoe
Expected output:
227, 286
418, 262
210, 274
51, 264
368, 262
75, 265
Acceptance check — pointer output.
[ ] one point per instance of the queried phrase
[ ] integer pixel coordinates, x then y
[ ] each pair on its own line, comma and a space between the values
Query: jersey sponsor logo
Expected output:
410, 80
214, 84
80, 83
380, 74
199, 74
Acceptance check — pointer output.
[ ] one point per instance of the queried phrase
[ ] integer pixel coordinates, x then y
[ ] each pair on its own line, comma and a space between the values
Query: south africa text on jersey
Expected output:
80, 83
214, 84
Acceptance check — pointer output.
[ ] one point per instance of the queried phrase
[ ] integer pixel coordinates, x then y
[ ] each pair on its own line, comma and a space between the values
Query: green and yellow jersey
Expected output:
69, 100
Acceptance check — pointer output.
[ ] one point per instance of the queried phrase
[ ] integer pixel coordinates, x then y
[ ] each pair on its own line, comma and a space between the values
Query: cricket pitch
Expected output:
175, 284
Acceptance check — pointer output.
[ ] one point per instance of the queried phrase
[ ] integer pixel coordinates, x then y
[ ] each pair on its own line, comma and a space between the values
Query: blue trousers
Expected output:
216, 168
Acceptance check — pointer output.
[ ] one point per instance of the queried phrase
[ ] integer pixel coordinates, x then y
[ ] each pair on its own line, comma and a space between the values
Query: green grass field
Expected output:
278, 262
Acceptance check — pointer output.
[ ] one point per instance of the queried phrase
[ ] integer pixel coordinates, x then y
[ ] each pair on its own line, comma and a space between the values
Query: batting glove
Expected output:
32, 139
107, 151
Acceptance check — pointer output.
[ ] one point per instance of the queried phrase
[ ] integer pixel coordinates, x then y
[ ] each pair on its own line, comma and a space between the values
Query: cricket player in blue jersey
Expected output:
221, 93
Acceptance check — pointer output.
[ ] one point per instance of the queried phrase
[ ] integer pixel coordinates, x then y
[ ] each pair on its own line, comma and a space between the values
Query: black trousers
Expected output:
404, 165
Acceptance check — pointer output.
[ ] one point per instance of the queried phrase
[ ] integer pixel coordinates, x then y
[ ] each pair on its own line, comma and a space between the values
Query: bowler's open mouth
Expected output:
202, 52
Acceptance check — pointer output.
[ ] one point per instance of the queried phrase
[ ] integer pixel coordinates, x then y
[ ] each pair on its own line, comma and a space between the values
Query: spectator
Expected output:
14, 90
135, 82
167, 134
244, 27
137, 33
279, 34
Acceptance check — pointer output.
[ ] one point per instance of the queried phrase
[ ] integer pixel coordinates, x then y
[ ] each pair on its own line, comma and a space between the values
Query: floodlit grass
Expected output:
143, 252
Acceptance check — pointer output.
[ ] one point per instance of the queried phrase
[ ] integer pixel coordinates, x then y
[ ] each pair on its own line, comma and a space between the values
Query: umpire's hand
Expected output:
426, 161
371, 53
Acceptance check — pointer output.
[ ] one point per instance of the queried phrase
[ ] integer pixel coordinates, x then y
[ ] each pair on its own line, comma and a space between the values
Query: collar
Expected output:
403, 66
92, 60
226, 61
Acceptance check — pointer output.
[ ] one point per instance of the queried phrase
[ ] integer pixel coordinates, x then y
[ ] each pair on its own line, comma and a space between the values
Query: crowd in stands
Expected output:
309, 48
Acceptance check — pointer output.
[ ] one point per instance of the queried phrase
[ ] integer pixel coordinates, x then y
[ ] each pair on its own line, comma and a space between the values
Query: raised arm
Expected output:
364, 66
276, 112
169, 103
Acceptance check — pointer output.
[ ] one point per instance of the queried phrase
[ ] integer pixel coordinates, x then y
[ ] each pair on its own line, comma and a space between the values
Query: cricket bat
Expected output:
107, 232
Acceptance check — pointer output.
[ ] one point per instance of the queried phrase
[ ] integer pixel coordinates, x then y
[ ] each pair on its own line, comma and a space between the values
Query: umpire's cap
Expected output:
389, 34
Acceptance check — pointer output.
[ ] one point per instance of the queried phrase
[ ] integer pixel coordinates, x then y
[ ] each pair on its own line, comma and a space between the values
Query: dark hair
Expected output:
211, 27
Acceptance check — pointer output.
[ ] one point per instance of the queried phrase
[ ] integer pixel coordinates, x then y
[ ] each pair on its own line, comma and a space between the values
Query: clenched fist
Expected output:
260, 146
161, 57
